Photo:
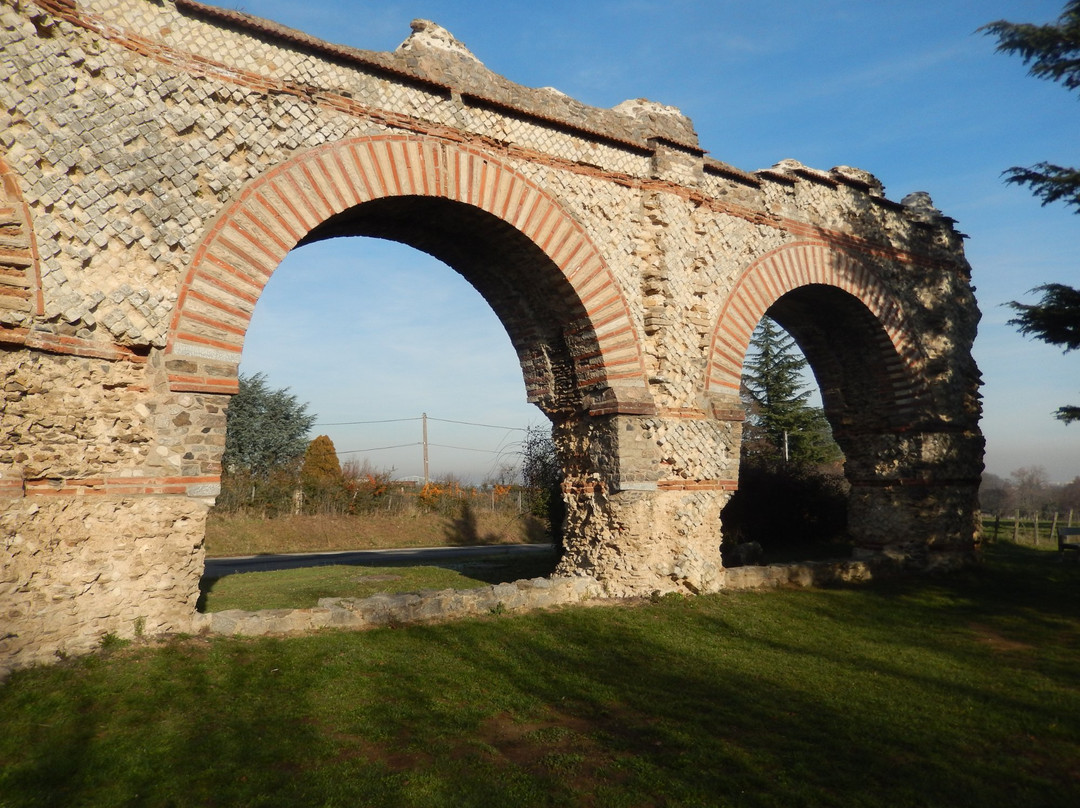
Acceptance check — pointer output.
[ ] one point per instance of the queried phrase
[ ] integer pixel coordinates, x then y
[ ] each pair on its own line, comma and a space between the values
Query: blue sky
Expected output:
907, 91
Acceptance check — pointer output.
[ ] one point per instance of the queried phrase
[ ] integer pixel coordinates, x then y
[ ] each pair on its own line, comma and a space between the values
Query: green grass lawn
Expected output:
302, 588
958, 690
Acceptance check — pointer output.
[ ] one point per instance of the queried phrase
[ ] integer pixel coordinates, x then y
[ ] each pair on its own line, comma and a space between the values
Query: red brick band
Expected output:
109, 486
71, 346
697, 485
20, 273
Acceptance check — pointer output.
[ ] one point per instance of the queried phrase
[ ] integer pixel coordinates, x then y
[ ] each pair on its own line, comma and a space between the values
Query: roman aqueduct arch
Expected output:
159, 159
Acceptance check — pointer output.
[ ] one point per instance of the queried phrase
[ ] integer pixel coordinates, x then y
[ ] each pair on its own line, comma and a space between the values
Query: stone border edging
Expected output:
406, 607
433, 605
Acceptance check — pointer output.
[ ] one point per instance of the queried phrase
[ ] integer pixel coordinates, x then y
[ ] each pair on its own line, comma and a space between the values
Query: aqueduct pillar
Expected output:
158, 160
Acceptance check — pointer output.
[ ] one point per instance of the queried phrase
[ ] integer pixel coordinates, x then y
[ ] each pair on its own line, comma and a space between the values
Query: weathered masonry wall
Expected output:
157, 161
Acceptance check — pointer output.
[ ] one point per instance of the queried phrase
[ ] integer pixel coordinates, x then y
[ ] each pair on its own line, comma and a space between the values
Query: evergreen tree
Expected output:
779, 421
320, 476
1053, 51
265, 429
321, 464
1054, 320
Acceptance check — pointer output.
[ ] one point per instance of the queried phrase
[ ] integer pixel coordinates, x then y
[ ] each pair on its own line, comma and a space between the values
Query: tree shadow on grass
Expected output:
464, 530
865, 695
505, 569
871, 694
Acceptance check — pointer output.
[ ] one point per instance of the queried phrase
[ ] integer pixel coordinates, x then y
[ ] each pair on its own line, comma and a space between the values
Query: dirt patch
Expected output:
995, 641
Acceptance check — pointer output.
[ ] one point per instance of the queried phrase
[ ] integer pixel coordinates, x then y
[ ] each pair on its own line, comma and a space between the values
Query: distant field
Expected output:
229, 535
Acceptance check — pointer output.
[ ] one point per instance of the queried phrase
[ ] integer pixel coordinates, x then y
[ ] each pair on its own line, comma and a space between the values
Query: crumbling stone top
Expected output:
433, 56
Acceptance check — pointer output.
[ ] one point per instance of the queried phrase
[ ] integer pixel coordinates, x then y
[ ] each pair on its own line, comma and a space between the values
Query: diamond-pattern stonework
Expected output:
159, 159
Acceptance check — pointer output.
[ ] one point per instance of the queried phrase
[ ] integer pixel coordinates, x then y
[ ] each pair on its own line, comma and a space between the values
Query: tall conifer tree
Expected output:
1053, 51
780, 423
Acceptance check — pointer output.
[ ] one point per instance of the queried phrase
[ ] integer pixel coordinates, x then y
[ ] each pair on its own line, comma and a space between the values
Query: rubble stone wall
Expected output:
159, 158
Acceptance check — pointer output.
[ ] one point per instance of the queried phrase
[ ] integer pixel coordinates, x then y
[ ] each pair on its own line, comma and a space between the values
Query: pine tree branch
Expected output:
1053, 50
1068, 414
1049, 182
1055, 319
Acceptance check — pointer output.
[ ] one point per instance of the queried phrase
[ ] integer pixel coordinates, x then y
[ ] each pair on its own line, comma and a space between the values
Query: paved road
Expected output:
220, 567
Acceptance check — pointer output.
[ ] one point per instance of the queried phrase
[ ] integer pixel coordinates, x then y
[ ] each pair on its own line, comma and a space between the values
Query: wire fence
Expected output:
1032, 529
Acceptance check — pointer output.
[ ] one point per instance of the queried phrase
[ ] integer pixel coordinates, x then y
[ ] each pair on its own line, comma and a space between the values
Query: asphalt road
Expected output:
220, 567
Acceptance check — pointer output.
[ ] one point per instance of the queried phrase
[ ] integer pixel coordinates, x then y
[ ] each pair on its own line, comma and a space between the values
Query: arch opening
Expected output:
449, 201
393, 333
545, 321
795, 506
865, 383
534, 264
539, 309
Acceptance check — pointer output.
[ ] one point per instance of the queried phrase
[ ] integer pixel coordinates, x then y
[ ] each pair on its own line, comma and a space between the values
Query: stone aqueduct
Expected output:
160, 157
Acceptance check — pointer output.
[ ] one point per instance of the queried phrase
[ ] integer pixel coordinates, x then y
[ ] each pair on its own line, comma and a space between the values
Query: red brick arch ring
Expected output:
20, 274
247, 242
802, 264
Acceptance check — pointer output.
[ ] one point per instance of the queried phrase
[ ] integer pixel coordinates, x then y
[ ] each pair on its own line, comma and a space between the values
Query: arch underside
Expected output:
544, 321
852, 332
519, 248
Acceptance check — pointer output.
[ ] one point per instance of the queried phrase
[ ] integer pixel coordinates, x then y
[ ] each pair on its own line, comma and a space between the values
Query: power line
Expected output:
500, 451
430, 418
353, 423
470, 423
380, 448
465, 448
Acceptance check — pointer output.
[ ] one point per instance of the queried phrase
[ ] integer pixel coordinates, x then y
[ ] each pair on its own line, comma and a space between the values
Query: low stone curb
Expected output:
808, 573
432, 605
402, 608
843, 571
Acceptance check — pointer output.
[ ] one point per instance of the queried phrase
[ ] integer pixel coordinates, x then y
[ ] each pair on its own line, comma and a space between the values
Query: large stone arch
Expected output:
163, 157
563, 309
808, 264
878, 395
316, 195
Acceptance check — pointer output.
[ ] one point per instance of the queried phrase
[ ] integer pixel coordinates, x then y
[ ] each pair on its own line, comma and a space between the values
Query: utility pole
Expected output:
425, 450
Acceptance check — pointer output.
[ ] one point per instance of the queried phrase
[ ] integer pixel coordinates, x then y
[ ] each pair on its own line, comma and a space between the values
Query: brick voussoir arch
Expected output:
802, 264
20, 273
243, 247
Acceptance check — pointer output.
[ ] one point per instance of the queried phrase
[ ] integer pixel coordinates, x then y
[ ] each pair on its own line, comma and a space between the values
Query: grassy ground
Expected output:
302, 588
959, 690
230, 535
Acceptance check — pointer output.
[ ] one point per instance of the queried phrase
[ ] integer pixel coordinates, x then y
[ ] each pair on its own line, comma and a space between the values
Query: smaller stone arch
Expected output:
808, 264
20, 274
279, 209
